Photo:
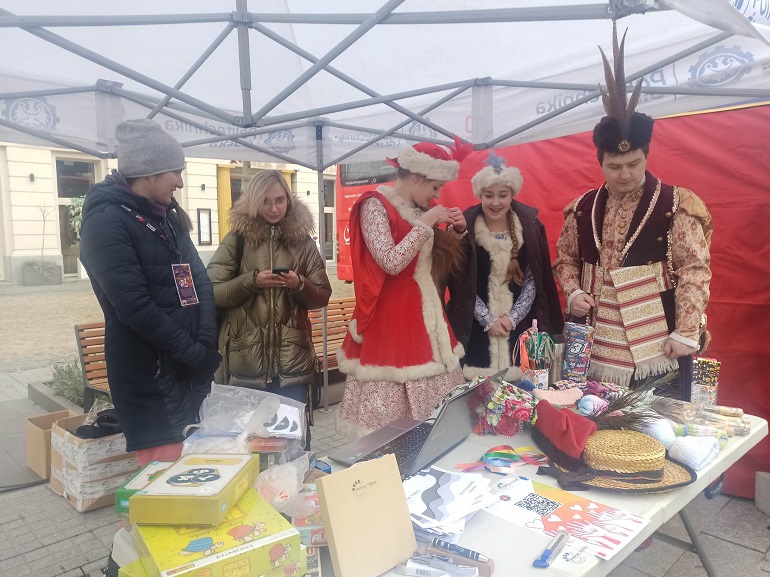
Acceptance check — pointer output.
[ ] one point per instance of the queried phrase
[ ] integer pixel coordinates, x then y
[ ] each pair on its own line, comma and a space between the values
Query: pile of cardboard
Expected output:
88, 472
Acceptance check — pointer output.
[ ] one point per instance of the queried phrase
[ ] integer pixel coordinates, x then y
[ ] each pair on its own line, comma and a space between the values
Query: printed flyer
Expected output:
604, 530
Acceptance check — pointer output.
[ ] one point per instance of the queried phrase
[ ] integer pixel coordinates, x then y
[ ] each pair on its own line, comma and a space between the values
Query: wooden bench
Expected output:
338, 315
90, 339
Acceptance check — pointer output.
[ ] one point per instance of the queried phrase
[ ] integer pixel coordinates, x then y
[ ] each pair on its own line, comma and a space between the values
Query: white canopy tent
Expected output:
318, 83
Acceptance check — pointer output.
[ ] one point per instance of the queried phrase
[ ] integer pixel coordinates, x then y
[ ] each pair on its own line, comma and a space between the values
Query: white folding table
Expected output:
513, 548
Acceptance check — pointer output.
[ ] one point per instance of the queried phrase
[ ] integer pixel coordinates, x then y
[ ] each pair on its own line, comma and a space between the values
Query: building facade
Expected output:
42, 190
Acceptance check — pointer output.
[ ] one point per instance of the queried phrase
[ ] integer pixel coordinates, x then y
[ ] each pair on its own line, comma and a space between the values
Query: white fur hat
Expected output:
496, 173
428, 159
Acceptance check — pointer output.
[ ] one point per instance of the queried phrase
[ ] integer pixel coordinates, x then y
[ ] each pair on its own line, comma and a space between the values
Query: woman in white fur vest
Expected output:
506, 280
400, 354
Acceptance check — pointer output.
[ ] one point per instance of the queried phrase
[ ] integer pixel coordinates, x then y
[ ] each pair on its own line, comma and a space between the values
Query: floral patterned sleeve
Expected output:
691, 261
566, 268
391, 257
482, 314
523, 304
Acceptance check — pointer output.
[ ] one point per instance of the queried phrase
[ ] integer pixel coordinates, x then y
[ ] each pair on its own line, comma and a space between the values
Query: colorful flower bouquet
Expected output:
503, 411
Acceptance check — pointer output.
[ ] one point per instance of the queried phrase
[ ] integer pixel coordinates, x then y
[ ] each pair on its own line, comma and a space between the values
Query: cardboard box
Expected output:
136, 569
199, 489
312, 532
138, 482
39, 441
88, 472
271, 451
254, 539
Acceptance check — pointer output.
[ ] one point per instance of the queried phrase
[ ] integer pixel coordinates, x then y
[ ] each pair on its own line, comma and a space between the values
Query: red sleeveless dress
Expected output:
400, 354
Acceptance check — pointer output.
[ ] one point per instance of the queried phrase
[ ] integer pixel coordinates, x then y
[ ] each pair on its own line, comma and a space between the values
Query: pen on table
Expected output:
552, 551
462, 551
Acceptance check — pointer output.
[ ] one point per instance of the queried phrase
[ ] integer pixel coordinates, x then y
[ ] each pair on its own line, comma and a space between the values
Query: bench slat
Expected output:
90, 337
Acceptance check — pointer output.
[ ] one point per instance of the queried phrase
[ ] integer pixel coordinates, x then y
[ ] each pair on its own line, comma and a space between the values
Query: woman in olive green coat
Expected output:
264, 331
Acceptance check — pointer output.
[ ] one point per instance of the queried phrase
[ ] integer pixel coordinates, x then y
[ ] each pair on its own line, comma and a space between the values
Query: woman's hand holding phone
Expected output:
277, 277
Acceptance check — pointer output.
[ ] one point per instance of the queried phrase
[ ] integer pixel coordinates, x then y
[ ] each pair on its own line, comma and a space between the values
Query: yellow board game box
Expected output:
301, 569
199, 489
254, 539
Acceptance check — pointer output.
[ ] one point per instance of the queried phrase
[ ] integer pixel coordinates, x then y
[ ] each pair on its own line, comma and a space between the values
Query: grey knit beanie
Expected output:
145, 149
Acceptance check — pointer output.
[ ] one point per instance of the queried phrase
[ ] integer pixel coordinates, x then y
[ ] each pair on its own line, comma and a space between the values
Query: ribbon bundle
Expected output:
501, 459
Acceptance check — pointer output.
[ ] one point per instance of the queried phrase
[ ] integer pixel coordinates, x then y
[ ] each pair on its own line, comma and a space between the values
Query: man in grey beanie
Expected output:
158, 302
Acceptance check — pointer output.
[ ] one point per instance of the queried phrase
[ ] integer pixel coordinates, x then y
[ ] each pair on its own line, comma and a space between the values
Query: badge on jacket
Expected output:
184, 284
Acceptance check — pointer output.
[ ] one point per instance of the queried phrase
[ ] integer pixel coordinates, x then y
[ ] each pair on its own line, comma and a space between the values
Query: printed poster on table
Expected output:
602, 529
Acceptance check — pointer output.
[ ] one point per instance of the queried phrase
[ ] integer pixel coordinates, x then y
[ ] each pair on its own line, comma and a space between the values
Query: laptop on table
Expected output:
416, 444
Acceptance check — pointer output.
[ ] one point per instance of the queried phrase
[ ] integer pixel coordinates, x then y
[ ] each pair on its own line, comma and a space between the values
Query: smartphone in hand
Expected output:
280, 270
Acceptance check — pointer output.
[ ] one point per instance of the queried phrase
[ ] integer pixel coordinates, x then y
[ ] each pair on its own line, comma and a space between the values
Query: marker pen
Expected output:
552, 551
462, 551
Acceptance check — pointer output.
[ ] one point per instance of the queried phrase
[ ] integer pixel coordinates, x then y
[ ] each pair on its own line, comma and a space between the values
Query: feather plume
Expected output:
619, 61
461, 149
496, 162
631, 106
632, 411
615, 101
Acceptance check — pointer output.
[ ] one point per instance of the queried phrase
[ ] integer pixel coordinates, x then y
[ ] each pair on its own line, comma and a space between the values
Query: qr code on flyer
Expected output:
538, 504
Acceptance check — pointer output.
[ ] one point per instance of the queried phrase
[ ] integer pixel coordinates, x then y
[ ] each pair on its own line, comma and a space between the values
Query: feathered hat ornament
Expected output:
496, 172
622, 129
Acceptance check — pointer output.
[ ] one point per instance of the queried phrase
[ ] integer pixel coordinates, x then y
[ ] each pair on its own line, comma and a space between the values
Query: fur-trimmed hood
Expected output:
296, 226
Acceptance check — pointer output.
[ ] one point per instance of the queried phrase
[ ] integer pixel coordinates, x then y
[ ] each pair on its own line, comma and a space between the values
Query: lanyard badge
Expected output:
184, 284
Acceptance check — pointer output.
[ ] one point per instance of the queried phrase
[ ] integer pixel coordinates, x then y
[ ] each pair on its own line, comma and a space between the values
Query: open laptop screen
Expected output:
454, 422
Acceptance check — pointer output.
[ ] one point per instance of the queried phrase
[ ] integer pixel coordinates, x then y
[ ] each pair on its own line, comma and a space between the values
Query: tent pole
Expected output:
244, 59
319, 146
272, 120
349, 80
346, 43
49, 138
193, 69
387, 133
583, 99
96, 58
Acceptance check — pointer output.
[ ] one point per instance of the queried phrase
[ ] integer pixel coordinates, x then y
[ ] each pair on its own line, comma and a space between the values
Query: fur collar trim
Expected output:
294, 229
409, 211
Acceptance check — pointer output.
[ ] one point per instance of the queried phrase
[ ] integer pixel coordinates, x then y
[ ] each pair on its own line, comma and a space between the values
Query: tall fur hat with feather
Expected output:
622, 129
496, 172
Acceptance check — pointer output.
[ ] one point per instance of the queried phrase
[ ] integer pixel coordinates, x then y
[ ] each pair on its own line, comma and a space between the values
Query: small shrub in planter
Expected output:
68, 382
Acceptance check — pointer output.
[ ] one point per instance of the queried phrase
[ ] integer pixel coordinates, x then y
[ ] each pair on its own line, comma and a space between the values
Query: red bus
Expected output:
356, 178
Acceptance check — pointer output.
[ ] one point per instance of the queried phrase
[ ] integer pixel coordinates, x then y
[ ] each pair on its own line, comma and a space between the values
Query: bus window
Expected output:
365, 173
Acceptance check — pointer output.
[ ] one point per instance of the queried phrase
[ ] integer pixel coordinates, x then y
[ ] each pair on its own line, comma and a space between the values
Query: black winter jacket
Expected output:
152, 343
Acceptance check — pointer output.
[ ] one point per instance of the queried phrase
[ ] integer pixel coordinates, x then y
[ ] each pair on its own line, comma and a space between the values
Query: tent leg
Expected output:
322, 243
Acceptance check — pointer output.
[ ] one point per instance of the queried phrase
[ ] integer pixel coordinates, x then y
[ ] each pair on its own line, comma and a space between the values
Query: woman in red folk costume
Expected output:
400, 354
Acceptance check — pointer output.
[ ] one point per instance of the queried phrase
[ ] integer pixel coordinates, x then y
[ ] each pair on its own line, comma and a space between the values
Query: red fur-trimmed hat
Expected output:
432, 161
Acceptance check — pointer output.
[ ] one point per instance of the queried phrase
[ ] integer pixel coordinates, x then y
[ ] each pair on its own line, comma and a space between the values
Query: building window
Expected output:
73, 179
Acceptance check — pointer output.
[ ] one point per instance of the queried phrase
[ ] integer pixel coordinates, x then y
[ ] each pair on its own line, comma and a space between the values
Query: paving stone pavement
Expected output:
43, 536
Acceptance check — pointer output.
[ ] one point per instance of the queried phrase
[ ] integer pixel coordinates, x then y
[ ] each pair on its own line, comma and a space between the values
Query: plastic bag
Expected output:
223, 443
282, 486
232, 416
98, 406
